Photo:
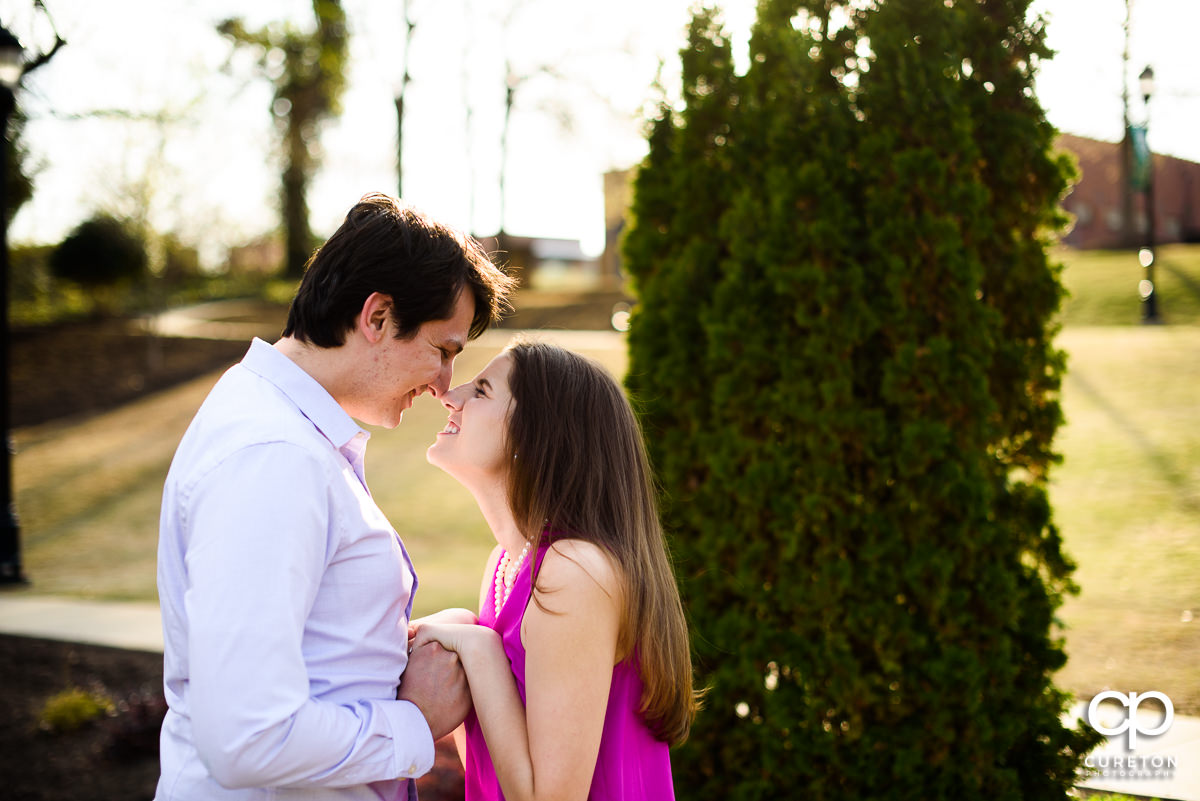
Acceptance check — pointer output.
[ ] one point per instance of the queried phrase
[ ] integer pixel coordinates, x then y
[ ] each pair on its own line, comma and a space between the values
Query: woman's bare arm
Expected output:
548, 750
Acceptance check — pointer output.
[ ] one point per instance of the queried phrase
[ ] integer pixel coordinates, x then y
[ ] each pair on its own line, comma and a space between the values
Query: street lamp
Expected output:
12, 59
12, 67
1149, 291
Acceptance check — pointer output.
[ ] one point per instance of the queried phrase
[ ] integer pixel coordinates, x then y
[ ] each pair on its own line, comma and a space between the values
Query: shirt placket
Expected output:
355, 452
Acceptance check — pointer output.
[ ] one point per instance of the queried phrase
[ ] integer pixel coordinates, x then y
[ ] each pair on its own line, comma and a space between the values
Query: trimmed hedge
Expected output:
842, 358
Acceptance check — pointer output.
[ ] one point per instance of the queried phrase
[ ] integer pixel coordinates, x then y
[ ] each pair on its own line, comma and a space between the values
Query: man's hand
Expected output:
434, 680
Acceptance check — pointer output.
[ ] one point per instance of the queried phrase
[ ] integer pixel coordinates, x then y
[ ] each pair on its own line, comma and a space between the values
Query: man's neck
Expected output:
326, 366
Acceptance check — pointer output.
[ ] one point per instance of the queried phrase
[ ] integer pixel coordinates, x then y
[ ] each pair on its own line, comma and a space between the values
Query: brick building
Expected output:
1095, 201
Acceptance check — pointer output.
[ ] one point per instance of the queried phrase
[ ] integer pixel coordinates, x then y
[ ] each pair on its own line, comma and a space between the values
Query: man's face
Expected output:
398, 371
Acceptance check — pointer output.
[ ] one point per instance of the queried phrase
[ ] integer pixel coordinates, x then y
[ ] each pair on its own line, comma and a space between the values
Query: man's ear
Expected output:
375, 319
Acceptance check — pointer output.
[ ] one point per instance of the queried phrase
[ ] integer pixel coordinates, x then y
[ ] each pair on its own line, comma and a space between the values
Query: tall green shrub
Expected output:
842, 359
100, 252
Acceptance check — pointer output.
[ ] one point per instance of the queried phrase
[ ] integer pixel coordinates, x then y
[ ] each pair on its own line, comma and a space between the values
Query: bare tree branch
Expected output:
123, 115
42, 58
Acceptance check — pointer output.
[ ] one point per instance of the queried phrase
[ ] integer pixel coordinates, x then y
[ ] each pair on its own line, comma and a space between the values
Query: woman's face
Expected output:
472, 446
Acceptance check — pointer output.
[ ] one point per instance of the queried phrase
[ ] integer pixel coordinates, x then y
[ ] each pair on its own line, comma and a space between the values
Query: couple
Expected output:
292, 668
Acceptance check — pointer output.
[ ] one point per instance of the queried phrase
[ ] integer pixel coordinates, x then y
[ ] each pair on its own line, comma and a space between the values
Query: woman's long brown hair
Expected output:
582, 473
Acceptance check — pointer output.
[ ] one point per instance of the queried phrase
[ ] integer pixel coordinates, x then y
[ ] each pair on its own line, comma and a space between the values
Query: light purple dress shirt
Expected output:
285, 599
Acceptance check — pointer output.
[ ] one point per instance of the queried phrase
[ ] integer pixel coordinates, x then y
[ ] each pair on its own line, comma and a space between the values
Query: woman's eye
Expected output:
479, 393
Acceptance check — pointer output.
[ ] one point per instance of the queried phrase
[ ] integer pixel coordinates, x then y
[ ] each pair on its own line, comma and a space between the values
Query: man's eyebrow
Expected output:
453, 345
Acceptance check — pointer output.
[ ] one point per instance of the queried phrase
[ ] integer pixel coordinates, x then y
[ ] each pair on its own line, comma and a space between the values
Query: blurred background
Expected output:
150, 112
521, 122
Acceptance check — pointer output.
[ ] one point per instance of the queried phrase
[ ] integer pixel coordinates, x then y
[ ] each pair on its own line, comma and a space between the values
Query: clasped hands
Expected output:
434, 679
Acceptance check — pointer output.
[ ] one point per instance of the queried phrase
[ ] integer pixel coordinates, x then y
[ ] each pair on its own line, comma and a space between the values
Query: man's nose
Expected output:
441, 385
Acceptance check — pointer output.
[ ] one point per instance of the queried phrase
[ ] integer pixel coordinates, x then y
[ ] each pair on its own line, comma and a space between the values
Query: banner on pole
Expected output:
1139, 174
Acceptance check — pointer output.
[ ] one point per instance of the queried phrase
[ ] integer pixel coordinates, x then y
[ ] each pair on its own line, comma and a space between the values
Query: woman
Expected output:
579, 666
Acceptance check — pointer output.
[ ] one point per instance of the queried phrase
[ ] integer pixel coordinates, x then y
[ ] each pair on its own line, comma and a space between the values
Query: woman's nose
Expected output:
452, 399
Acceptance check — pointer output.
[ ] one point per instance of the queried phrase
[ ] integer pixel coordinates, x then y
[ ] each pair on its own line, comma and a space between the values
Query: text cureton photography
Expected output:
1114, 714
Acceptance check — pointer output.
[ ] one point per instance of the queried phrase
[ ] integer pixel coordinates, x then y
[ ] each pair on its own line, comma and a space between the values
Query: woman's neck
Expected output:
493, 503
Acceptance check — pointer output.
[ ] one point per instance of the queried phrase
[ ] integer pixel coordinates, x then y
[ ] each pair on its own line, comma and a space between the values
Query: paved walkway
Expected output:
240, 321
137, 626
119, 624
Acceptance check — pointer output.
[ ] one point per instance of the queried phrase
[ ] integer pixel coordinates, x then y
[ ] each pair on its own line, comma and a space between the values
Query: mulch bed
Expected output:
90, 367
115, 757
105, 759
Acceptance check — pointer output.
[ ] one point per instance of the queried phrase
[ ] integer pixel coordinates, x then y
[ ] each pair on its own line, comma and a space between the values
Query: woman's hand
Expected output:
456, 637
465, 616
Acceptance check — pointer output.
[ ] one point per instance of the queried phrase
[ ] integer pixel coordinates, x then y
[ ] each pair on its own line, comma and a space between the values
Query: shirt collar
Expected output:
312, 399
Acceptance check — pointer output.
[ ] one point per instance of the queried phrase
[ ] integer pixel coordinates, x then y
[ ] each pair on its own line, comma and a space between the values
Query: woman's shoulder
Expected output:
569, 561
577, 587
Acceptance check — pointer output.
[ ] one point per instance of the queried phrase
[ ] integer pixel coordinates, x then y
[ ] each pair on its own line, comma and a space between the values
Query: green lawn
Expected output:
1127, 500
1127, 496
1103, 286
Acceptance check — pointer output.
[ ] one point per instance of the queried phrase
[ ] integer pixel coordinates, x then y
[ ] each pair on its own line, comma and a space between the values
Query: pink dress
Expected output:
631, 765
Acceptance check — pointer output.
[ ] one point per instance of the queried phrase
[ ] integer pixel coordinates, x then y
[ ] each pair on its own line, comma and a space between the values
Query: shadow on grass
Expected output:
1163, 464
1190, 283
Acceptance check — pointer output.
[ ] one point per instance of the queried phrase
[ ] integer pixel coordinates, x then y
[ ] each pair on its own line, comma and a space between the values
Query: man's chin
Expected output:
378, 421
399, 418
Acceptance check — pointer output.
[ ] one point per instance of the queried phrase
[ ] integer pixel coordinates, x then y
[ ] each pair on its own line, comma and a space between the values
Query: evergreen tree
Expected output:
842, 359
677, 248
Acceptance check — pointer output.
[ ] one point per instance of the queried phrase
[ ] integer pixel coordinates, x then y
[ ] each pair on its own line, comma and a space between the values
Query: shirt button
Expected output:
412, 769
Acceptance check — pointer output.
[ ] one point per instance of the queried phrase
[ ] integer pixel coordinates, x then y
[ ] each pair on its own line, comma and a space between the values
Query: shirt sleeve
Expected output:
259, 536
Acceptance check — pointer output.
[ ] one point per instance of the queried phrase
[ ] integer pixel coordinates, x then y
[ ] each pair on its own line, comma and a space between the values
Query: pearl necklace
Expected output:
507, 572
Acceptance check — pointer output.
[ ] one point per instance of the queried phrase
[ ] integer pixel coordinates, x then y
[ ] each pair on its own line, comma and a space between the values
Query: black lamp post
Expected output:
12, 67
1149, 291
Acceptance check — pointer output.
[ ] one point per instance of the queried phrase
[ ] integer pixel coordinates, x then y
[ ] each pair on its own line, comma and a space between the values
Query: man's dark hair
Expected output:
395, 250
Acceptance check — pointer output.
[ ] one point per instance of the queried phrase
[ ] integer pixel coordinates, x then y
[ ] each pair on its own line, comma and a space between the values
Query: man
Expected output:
285, 593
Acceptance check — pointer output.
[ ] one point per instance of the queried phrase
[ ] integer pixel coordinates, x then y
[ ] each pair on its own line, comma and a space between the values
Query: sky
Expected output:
195, 150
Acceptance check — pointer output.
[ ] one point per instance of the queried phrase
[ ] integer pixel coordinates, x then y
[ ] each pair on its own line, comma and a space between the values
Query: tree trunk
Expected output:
297, 235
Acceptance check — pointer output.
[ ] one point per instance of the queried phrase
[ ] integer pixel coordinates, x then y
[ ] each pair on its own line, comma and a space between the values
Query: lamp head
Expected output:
1146, 83
12, 59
